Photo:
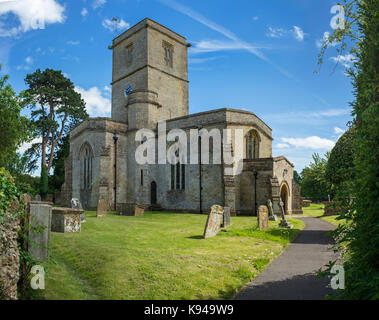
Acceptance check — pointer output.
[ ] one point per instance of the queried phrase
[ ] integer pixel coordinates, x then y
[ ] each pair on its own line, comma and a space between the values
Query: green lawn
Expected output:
317, 211
159, 256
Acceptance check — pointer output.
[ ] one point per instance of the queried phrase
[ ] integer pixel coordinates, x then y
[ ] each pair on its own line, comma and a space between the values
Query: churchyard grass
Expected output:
160, 256
317, 211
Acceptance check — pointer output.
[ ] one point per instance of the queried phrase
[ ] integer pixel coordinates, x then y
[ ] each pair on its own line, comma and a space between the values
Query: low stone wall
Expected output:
66, 220
9, 255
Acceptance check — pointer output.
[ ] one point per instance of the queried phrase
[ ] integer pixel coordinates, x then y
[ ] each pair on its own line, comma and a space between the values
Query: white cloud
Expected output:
27, 145
98, 3
255, 18
96, 104
346, 60
313, 142
220, 45
84, 12
276, 32
338, 130
320, 42
32, 14
73, 43
29, 60
282, 146
330, 113
298, 33
116, 25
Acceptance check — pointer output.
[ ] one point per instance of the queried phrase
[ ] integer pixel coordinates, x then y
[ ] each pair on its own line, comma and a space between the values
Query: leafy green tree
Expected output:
340, 169
297, 176
55, 109
57, 179
313, 182
13, 126
44, 183
360, 237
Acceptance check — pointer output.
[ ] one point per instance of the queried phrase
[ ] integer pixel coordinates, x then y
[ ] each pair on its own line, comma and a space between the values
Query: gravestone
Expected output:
37, 198
271, 216
66, 220
102, 207
214, 221
284, 222
40, 218
226, 217
139, 210
75, 204
263, 217
306, 203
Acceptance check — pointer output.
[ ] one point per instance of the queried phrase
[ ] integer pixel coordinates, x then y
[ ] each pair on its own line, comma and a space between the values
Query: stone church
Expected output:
150, 85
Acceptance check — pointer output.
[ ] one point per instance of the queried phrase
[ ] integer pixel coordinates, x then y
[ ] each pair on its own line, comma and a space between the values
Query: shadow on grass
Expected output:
196, 237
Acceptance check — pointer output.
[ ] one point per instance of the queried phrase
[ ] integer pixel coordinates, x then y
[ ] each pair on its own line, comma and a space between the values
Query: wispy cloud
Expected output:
84, 12
98, 3
202, 60
313, 142
115, 25
346, 60
73, 43
225, 32
325, 39
296, 32
220, 45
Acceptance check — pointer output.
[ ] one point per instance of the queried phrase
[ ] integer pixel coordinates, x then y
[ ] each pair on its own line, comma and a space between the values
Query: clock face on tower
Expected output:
128, 90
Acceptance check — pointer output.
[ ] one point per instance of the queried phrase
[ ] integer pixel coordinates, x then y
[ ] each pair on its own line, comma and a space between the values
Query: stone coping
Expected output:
59, 210
42, 202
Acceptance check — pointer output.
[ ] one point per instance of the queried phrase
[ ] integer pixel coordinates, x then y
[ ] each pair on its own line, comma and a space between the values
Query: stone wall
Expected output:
9, 255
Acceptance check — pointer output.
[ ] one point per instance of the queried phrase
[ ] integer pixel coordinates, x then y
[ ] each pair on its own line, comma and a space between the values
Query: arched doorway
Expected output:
284, 195
153, 193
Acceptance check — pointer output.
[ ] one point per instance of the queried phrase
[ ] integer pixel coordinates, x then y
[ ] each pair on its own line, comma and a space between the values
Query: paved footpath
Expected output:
291, 276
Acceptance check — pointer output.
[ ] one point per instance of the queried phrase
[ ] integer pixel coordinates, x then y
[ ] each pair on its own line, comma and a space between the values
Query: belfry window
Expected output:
252, 145
129, 55
86, 163
168, 53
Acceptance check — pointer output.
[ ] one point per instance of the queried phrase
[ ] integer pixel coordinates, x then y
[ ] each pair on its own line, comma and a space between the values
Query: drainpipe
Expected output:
255, 191
200, 182
115, 138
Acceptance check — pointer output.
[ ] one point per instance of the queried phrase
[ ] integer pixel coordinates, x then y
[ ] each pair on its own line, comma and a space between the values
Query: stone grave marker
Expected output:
75, 204
271, 216
214, 221
66, 220
263, 217
37, 198
102, 207
40, 216
284, 222
139, 210
226, 217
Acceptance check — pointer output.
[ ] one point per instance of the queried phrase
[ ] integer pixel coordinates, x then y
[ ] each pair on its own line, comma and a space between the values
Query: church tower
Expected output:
149, 75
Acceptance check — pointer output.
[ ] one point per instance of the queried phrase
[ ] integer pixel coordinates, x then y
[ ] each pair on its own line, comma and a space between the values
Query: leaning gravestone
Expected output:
263, 217
39, 232
214, 221
75, 204
284, 222
271, 216
102, 206
226, 218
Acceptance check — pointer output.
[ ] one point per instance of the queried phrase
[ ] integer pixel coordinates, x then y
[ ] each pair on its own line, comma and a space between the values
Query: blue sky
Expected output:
254, 55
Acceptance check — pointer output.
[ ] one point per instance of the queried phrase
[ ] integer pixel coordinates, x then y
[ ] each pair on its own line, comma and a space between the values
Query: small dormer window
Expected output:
168, 53
129, 55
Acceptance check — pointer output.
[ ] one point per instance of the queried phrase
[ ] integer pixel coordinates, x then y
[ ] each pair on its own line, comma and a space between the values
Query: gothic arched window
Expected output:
252, 145
86, 159
178, 175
